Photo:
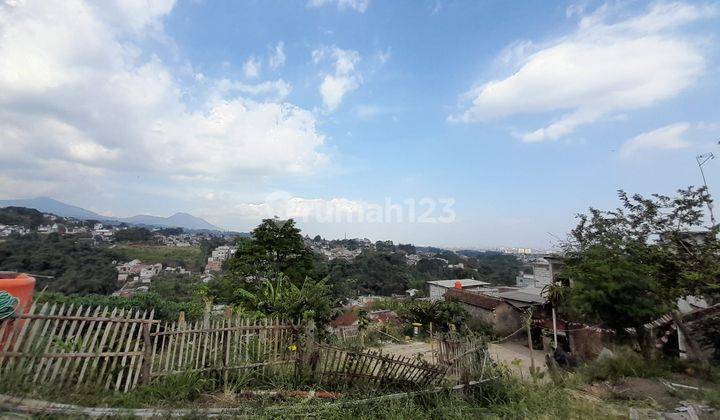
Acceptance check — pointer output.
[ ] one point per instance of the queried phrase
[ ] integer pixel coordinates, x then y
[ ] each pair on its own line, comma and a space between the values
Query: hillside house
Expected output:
503, 317
437, 288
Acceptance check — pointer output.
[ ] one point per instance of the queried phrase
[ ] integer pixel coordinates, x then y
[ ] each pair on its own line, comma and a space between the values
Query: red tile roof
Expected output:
473, 298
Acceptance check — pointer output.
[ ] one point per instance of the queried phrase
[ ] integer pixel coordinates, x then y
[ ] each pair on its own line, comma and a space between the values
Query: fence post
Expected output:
305, 359
147, 354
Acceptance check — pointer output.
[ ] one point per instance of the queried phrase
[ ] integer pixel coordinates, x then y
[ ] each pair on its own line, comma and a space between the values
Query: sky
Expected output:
436, 122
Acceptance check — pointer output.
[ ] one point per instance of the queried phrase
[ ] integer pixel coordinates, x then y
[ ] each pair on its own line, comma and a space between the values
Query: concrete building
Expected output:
502, 316
437, 288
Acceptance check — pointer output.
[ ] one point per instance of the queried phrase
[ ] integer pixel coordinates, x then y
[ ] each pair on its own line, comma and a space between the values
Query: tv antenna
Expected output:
701, 160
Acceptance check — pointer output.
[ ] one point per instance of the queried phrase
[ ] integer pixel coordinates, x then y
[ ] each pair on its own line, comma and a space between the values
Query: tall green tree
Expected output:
276, 247
630, 265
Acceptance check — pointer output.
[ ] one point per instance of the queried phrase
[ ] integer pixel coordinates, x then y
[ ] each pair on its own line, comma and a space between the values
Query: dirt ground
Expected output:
514, 355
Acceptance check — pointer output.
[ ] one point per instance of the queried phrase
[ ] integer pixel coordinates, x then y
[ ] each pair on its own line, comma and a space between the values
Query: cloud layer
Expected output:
605, 66
82, 89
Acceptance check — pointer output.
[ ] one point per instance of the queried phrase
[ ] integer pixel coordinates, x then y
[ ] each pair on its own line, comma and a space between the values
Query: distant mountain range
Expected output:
49, 205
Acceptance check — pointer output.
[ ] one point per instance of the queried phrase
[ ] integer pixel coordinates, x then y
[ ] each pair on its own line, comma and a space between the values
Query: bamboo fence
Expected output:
336, 365
117, 348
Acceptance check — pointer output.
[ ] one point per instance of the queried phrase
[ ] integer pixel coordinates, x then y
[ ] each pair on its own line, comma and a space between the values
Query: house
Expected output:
545, 270
523, 299
503, 317
437, 288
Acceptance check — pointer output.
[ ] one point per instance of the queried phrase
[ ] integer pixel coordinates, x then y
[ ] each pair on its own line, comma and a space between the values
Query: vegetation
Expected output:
177, 287
630, 265
189, 257
74, 265
133, 234
164, 309
269, 274
21, 216
384, 272
442, 314
276, 248
283, 298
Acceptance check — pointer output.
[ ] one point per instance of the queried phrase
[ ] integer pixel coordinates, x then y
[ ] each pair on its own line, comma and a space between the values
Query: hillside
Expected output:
50, 205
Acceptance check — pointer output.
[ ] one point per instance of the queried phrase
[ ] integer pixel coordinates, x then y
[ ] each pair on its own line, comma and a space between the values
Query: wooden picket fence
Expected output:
334, 365
69, 345
117, 349
225, 344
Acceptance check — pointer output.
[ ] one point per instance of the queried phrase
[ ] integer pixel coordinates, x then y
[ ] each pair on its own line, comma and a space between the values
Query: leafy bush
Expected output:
164, 309
441, 313
624, 364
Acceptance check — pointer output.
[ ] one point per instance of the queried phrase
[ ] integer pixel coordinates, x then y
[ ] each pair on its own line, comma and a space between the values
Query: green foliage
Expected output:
623, 365
133, 234
276, 247
164, 309
441, 313
21, 216
711, 337
613, 290
181, 387
176, 287
285, 299
190, 258
630, 265
78, 267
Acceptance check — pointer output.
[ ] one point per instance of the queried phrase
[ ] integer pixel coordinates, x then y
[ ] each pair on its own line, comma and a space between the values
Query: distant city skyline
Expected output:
437, 122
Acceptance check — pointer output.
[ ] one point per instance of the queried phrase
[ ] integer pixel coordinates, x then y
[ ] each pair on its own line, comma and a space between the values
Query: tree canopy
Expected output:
630, 265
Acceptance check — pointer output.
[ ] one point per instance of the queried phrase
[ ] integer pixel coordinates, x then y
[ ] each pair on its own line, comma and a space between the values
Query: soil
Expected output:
641, 389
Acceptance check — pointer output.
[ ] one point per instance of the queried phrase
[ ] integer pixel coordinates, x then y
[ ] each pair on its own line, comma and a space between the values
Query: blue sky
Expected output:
325, 110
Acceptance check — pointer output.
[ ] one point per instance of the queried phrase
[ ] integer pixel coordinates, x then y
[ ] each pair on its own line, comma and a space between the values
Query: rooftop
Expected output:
449, 284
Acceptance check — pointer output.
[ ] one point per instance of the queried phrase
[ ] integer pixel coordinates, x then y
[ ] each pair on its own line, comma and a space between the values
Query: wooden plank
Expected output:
125, 342
80, 318
68, 339
133, 358
110, 344
58, 336
84, 339
100, 326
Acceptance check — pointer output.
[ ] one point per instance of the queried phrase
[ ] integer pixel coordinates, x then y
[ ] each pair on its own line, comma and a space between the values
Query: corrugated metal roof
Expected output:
522, 297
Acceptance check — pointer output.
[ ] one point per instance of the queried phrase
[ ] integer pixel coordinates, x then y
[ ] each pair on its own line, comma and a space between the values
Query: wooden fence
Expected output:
335, 365
223, 344
117, 348
466, 359
70, 345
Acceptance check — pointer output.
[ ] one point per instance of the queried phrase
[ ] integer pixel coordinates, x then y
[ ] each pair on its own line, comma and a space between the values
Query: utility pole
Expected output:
701, 160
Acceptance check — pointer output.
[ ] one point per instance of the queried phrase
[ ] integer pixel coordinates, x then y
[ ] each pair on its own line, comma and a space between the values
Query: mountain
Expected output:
182, 220
49, 205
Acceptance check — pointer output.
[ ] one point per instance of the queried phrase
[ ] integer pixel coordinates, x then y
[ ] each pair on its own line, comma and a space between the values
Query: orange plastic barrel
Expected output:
19, 285
22, 287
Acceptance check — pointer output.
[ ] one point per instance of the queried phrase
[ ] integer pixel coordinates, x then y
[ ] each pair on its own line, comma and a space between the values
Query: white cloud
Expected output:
669, 137
357, 5
345, 77
277, 56
276, 90
603, 67
82, 100
251, 67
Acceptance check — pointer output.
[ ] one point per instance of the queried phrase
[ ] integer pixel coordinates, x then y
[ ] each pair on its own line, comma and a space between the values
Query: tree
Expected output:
276, 248
630, 265
281, 297
133, 234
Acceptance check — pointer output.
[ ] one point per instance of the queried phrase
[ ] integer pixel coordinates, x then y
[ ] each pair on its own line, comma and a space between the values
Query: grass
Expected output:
188, 257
